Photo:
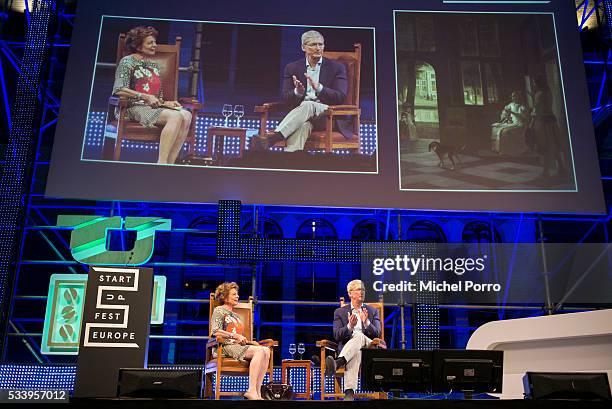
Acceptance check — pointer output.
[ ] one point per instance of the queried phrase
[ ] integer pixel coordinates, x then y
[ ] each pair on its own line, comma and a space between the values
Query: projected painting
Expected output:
227, 95
481, 103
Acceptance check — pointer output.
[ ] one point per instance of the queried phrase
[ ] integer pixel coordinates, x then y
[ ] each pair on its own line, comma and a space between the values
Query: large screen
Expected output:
424, 105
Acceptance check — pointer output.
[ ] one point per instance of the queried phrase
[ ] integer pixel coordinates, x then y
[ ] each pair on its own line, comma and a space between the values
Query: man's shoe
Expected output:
349, 395
263, 143
259, 144
330, 366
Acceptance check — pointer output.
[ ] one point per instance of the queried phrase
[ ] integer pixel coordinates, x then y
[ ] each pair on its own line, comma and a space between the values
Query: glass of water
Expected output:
301, 349
292, 350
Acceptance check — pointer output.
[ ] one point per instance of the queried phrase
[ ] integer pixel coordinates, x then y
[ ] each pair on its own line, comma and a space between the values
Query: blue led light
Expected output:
37, 377
94, 135
608, 8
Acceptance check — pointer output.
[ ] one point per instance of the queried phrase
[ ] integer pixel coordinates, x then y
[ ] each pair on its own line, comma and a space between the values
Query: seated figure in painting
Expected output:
508, 134
406, 123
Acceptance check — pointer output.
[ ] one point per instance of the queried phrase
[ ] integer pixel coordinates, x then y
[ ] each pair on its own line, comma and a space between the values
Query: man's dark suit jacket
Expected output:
335, 86
341, 332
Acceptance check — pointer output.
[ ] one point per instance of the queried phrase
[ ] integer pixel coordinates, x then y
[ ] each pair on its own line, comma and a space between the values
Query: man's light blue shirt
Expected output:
311, 94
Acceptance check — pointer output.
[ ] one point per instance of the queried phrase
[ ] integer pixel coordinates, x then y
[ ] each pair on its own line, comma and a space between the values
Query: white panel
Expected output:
576, 342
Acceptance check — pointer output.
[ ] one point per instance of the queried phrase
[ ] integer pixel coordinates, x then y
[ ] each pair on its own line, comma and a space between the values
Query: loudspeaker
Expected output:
567, 385
159, 383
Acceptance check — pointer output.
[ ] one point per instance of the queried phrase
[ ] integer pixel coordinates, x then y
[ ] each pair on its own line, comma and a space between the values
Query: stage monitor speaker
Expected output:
469, 371
567, 385
406, 370
159, 383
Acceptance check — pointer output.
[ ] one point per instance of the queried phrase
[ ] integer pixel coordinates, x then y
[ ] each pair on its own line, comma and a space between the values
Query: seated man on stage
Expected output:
355, 325
309, 86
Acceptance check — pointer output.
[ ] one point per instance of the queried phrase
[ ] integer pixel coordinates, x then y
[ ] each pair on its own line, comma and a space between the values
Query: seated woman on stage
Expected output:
228, 327
138, 79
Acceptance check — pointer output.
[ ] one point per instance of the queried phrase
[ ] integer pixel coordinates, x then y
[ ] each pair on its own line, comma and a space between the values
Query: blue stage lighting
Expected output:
95, 129
36, 377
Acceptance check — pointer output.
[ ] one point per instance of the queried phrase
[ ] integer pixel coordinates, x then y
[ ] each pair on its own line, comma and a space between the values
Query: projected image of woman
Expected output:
226, 325
138, 79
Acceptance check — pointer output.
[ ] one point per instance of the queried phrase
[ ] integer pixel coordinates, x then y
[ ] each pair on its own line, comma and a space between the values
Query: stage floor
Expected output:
377, 404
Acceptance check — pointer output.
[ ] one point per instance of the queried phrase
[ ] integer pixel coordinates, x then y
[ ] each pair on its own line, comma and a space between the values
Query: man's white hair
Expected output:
310, 35
355, 285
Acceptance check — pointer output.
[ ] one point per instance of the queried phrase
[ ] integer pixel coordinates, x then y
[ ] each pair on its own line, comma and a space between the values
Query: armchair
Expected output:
217, 364
167, 56
329, 139
332, 347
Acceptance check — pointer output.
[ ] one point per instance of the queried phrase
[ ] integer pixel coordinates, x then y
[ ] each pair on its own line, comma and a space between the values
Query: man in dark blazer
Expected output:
355, 325
310, 85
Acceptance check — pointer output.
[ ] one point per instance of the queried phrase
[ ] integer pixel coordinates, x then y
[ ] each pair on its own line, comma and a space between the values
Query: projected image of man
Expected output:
355, 325
309, 86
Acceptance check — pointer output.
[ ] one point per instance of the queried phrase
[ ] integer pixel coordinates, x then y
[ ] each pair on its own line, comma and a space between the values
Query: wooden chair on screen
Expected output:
167, 57
329, 139
218, 365
332, 347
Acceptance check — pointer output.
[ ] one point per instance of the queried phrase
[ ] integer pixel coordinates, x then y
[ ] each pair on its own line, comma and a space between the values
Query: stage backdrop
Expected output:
455, 106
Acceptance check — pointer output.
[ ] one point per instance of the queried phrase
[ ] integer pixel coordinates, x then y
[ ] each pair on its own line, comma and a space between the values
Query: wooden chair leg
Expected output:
337, 387
329, 123
322, 394
218, 384
208, 387
118, 141
120, 130
263, 124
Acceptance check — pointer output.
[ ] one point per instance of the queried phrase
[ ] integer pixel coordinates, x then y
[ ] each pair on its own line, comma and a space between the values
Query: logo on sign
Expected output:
110, 328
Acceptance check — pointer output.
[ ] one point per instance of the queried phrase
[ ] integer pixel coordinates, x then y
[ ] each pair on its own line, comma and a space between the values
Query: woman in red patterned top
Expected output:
227, 325
137, 79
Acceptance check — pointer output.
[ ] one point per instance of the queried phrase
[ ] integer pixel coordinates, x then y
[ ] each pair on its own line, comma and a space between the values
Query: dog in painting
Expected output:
446, 152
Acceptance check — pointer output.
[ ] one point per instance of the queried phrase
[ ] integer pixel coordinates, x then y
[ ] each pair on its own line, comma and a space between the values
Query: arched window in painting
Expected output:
426, 101
416, 82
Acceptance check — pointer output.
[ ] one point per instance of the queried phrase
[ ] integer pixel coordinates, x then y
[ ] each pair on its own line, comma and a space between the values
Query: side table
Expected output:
218, 134
286, 366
